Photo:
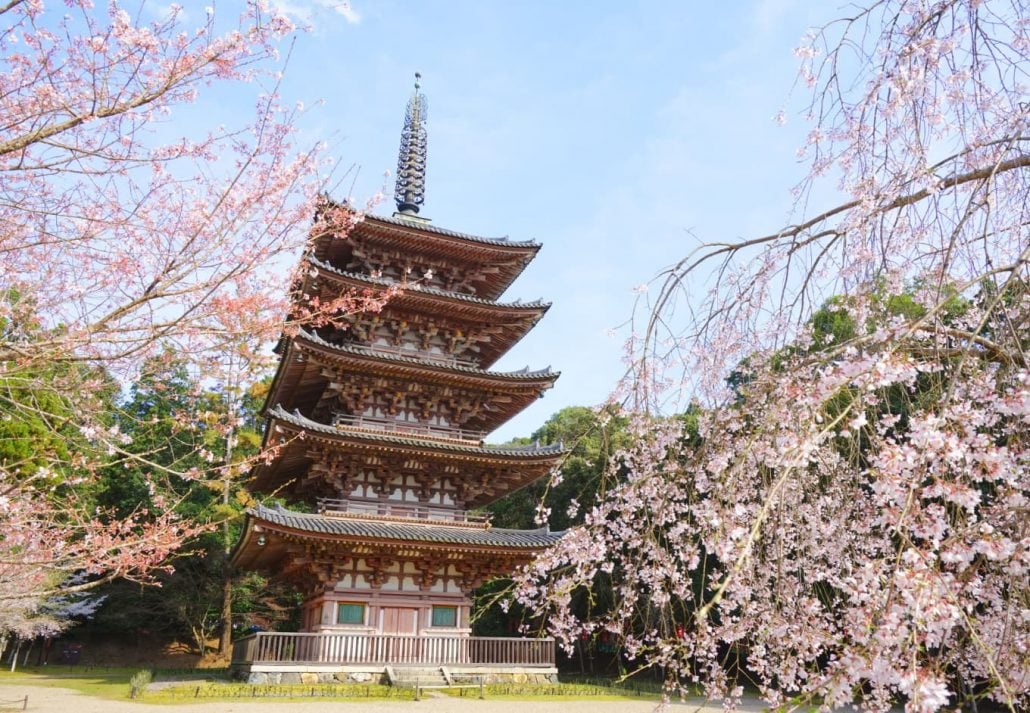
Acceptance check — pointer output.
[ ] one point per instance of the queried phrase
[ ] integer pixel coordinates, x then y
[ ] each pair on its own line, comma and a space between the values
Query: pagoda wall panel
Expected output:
382, 586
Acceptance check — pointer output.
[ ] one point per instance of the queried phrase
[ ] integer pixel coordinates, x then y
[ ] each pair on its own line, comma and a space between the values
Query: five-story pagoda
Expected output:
379, 425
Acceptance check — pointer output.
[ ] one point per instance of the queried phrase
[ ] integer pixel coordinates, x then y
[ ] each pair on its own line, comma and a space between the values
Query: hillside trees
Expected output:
560, 501
177, 423
122, 237
856, 506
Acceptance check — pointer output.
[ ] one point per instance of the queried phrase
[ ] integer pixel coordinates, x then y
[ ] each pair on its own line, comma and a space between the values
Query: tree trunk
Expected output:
225, 640
200, 639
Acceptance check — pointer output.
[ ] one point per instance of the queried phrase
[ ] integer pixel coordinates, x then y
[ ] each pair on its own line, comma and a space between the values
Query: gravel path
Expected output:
62, 700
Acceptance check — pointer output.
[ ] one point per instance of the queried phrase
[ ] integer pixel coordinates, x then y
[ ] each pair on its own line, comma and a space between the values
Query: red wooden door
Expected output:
402, 623
400, 620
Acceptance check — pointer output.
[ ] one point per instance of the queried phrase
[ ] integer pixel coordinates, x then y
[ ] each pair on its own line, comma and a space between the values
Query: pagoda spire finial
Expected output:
411, 161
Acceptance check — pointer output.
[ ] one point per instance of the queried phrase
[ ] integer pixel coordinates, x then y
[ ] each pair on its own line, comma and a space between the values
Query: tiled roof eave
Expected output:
344, 351
534, 306
401, 225
369, 531
532, 453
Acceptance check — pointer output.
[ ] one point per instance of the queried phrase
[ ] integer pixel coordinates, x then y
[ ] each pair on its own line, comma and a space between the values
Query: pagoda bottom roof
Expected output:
336, 526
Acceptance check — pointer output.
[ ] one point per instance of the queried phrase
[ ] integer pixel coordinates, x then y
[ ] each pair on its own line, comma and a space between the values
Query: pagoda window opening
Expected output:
444, 616
350, 613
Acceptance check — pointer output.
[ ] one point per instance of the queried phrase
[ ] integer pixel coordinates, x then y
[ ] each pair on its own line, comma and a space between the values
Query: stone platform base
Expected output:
312, 674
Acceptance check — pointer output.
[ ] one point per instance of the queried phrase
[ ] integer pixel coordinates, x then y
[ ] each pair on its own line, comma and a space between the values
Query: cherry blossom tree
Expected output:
123, 236
849, 522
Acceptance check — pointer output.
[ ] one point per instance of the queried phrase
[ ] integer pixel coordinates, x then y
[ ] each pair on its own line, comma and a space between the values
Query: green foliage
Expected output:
591, 439
139, 682
38, 421
178, 440
165, 441
32, 434
261, 603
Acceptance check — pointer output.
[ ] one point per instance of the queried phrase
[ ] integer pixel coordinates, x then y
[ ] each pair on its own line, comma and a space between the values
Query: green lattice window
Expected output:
350, 613
445, 616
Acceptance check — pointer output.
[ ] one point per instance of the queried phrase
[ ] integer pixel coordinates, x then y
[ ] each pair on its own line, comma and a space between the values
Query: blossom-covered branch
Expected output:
126, 235
848, 521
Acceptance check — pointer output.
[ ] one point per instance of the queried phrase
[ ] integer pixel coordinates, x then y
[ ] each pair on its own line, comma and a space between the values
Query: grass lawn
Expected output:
113, 684
569, 691
210, 691
109, 683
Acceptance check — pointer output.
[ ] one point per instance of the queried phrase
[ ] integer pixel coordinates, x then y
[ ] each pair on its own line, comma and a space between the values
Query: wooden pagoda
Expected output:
378, 425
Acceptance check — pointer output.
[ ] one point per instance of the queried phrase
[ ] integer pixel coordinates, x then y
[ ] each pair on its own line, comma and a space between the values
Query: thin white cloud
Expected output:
306, 10
347, 10
164, 10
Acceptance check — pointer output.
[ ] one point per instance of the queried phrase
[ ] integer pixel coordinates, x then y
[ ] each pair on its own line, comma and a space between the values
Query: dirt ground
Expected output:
61, 700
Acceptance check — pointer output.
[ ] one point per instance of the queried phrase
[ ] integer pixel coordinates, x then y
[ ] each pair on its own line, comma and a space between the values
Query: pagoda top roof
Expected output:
388, 437
492, 264
424, 226
364, 529
415, 287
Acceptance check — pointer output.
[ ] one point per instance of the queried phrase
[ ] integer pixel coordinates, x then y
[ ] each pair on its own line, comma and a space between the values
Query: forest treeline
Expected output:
178, 455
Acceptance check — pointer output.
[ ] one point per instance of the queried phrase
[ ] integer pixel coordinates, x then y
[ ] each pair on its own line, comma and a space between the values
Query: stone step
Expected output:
407, 676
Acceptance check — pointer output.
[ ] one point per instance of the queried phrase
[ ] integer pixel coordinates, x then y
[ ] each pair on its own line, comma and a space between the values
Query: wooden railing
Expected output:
414, 428
398, 509
386, 649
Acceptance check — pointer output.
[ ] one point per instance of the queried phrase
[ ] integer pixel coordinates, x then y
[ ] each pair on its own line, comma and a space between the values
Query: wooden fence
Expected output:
386, 649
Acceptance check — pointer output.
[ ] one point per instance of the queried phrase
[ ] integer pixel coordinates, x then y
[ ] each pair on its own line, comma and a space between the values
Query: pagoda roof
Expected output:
268, 534
548, 452
415, 238
369, 281
425, 226
506, 322
301, 383
365, 529
436, 365
495, 470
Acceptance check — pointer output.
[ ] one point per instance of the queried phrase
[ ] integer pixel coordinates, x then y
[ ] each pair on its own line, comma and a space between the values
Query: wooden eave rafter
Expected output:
280, 429
300, 380
295, 381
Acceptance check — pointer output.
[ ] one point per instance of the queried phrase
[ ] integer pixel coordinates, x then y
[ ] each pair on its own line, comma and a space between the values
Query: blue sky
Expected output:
617, 134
